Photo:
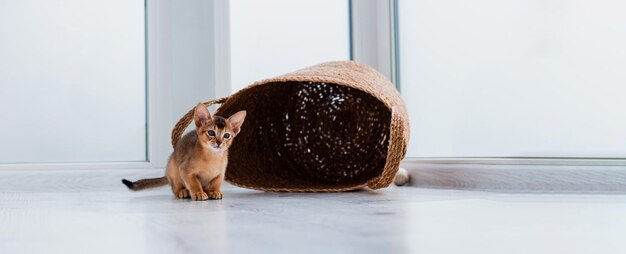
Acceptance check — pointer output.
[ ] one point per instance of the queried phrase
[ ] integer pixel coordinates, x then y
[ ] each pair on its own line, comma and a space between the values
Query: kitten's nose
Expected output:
218, 142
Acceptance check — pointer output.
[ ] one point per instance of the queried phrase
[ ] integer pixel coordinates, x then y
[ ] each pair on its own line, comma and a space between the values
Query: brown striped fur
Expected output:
197, 166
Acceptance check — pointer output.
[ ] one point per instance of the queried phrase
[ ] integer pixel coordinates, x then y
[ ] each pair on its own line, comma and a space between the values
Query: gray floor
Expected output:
91, 212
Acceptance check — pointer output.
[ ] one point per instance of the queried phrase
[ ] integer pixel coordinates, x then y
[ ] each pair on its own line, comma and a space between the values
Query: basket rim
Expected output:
293, 77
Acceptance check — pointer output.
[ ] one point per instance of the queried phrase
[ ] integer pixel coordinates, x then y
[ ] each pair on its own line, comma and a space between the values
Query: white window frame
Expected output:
484, 173
372, 35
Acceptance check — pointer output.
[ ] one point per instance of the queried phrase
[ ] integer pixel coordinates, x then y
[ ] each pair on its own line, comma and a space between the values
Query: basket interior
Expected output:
307, 135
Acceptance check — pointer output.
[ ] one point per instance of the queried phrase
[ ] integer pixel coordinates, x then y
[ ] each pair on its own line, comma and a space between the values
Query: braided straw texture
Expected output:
336, 126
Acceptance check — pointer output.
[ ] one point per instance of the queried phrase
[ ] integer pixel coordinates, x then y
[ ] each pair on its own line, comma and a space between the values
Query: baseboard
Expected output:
515, 175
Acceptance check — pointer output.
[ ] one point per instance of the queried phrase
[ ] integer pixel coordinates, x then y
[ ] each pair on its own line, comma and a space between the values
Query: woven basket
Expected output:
335, 126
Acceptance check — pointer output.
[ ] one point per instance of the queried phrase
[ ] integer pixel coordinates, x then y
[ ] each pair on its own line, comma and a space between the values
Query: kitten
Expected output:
197, 166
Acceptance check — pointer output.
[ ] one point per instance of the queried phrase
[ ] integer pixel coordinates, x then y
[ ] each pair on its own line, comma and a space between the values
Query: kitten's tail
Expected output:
145, 183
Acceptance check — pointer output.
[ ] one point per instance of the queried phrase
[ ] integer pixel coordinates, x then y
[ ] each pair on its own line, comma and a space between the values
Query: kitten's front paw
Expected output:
184, 193
198, 196
215, 195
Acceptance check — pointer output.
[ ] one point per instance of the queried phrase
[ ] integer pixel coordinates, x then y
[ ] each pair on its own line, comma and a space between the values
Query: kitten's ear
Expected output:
201, 115
236, 121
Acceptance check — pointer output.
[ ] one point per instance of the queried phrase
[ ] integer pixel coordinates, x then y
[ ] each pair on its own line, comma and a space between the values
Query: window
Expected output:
514, 78
72, 81
266, 42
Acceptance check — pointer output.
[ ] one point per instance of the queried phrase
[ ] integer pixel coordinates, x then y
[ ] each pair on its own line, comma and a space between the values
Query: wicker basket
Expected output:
335, 126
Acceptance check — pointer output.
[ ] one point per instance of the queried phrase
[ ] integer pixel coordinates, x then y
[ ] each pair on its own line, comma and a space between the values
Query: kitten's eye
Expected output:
227, 135
211, 133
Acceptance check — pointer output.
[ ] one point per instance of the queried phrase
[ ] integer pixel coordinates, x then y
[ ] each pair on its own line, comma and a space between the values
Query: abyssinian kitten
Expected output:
197, 166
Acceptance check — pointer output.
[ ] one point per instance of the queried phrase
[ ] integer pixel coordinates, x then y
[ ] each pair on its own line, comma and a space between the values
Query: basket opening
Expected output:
310, 134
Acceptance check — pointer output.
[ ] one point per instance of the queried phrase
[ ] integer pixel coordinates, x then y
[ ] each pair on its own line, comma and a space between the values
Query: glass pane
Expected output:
272, 37
72, 81
514, 78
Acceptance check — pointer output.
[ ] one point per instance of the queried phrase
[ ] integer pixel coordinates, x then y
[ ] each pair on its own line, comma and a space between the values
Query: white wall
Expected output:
273, 37
72, 81
193, 53
514, 78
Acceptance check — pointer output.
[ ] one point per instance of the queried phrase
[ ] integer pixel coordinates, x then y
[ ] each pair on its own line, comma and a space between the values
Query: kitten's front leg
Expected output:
214, 189
194, 187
